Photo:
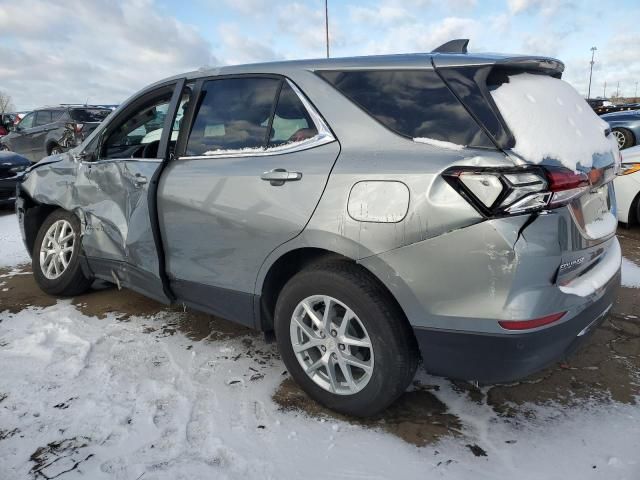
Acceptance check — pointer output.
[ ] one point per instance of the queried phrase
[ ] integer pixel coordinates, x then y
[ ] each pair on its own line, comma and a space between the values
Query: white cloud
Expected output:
382, 14
545, 7
103, 51
242, 48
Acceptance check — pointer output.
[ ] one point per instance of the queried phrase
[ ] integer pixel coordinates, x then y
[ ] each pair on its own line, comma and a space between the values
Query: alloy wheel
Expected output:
620, 138
56, 249
332, 345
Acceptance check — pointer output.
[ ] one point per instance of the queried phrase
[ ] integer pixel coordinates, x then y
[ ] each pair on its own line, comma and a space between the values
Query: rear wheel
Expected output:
55, 257
624, 137
344, 340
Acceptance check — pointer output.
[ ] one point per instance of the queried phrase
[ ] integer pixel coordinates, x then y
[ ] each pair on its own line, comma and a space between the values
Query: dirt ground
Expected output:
607, 368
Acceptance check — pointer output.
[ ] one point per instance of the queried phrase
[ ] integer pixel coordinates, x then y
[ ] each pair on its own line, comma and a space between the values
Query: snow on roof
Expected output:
550, 120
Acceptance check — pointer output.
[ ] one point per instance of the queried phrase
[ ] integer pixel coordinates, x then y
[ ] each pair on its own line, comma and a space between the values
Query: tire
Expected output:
62, 281
393, 355
624, 137
55, 149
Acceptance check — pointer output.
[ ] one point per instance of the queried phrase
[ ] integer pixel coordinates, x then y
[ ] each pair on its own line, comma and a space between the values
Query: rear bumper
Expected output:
500, 358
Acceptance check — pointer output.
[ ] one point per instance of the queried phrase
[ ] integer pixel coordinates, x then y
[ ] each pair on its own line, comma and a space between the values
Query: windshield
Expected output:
87, 115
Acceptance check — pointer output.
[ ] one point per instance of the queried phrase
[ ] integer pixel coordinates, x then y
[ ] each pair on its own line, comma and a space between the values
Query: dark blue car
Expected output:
12, 166
625, 127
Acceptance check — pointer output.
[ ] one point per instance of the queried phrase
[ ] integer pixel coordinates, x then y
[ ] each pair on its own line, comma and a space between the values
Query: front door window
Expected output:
27, 121
138, 135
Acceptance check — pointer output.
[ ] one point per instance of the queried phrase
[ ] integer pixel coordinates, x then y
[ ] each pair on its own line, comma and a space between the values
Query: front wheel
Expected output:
344, 340
624, 137
55, 257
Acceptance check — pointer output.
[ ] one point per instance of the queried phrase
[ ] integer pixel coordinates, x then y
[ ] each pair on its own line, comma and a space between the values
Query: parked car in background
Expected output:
364, 210
12, 166
52, 130
628, 187
625, 126
6, 122
608, 107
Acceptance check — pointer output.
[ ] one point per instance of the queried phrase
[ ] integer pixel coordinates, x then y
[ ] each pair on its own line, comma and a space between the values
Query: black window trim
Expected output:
323, 137
428, 68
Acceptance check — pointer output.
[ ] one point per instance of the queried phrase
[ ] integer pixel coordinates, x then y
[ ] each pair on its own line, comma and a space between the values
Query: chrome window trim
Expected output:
323, 137
114, 160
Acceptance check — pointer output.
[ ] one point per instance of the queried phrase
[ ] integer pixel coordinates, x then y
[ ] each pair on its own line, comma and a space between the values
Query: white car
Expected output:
627, 186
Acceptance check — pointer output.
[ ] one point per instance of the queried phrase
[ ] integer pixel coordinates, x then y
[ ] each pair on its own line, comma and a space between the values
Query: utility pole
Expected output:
604, 92
593, 52
326, 23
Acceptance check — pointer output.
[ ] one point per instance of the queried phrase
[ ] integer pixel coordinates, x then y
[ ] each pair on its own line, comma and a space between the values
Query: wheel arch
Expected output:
50, 143
34, 215
292, 262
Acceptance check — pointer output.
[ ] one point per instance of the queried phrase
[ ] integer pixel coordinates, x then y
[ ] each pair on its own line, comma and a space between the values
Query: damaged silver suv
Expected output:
370, 212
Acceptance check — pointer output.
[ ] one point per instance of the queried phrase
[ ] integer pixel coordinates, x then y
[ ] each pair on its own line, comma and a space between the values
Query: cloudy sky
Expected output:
101, 51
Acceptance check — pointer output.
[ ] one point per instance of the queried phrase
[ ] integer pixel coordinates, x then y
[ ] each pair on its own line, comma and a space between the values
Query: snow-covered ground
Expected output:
12, 250
105, 399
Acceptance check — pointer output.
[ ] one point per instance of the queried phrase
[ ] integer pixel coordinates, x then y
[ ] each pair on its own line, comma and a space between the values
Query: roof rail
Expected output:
458, 45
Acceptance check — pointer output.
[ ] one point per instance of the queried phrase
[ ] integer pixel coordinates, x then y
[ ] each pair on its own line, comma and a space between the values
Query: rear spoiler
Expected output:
454, 54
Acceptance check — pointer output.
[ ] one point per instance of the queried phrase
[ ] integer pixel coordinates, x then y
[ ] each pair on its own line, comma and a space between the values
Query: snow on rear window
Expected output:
550, 120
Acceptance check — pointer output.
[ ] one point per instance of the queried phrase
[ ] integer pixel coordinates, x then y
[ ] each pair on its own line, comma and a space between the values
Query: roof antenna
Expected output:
458, 45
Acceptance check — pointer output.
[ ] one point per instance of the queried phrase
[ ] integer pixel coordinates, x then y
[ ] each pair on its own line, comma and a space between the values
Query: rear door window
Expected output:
413, 103
43, 117
291, 122
233, 114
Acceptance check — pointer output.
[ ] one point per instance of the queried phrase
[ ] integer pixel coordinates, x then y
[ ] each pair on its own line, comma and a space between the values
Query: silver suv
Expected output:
370, 212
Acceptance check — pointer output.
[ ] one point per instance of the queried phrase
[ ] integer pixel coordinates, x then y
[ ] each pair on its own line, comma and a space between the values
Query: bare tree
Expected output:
6, 104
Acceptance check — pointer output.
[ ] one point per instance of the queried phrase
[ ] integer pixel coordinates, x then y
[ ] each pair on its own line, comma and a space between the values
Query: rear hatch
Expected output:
538, 119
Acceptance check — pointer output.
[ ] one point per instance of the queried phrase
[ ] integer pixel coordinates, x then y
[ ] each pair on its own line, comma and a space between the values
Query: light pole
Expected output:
326, 23
604, 92
593, 52
618, 90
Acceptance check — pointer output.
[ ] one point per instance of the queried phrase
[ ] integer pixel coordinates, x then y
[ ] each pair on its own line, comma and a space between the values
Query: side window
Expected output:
43, 117
138, 134
291, 122
27, 120
232, 114
412, 103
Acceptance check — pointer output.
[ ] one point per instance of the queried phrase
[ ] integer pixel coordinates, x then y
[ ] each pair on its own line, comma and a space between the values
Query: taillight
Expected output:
514, 190
567, 184
498, 191
533, 323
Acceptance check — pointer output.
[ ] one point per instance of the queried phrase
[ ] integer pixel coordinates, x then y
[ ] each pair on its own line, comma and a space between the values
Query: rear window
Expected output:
412, 103
88, 115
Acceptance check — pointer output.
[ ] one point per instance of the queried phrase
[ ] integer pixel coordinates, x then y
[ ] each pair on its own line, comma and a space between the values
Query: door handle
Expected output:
140, 180
278, 176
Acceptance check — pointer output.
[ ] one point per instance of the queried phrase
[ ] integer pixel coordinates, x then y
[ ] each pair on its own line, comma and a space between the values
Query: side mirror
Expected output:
12, 128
